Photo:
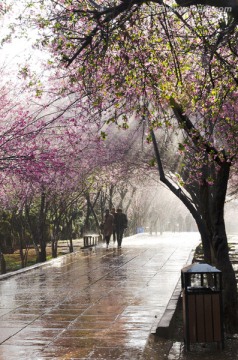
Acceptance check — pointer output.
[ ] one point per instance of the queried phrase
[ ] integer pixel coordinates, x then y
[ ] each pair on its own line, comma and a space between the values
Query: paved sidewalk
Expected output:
95, 304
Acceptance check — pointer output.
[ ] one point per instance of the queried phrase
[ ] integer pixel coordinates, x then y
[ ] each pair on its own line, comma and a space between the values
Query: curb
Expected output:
33, 267
165, 325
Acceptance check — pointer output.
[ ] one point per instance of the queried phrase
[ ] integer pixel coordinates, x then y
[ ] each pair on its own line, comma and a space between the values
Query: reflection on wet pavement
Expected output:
92, 304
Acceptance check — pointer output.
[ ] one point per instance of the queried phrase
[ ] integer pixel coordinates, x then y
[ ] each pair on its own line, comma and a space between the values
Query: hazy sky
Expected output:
19, 50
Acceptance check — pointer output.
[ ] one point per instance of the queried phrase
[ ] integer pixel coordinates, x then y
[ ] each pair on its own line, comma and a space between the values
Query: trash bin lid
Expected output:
200, 289
200, 268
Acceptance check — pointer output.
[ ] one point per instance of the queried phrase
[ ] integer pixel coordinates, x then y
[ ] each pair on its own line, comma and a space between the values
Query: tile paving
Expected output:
92, 304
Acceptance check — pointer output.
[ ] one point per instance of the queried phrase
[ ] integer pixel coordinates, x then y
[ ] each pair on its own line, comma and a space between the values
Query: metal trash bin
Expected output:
202, 304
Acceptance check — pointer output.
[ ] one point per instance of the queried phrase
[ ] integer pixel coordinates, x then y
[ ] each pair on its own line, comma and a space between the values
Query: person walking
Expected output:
108, 227
121, 223
114, 234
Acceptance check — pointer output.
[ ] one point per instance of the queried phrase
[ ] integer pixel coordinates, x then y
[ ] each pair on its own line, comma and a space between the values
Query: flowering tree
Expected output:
46, 157
162, 66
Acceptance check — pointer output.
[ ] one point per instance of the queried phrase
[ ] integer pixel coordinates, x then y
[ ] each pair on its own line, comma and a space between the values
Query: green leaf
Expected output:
103, 135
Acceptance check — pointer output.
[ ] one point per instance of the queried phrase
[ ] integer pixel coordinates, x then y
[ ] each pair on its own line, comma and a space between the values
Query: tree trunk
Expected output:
23, 243
71, 248
23, 255
216, 250
41, 234
2, 263
209, 217
221, 249
205, 240
37, 251
42, 253
70, 235
54, 247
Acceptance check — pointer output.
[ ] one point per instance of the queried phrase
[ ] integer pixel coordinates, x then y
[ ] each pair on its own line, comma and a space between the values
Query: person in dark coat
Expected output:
120, 225
108, 226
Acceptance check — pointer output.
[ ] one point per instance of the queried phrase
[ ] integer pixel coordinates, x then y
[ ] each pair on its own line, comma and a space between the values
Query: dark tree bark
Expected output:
2, 263
54, 246
70, 233
212, 200
209, 216
198, 217
41, 230
220, 246
38, 229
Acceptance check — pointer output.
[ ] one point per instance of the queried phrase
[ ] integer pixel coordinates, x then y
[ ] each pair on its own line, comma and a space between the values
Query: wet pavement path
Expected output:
92, 304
